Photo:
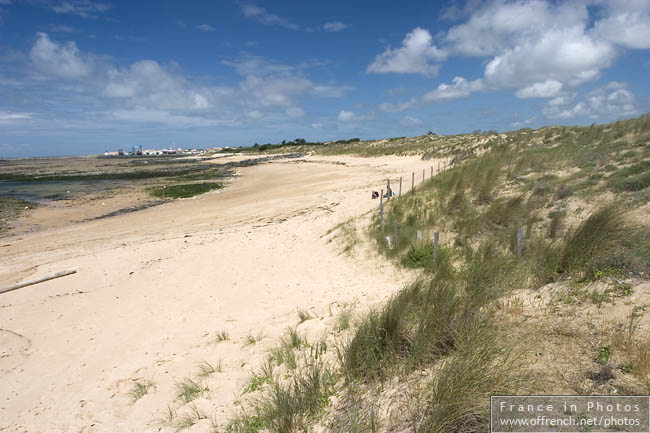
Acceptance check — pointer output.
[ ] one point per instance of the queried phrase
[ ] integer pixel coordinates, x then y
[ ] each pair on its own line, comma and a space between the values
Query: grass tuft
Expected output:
140, 388
188, 390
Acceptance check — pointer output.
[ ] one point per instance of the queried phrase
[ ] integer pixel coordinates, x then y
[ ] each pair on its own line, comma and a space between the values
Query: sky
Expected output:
85, 76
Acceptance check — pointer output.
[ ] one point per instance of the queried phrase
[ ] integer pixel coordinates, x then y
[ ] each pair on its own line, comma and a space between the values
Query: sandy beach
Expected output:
153, 287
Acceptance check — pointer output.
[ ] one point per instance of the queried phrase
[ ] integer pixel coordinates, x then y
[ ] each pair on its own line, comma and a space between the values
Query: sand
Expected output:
153, 288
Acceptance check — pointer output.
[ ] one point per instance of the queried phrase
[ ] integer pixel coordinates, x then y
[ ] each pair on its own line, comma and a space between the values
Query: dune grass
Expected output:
140, 388
188, 389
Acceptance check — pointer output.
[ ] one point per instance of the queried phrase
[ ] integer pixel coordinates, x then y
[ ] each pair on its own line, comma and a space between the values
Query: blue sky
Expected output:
83, 76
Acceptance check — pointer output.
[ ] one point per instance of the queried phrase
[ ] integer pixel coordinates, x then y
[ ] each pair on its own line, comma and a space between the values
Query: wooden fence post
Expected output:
435, 250
432, 171
381, 210
400, 186
519, 242
412, 181
422, 175
388, 191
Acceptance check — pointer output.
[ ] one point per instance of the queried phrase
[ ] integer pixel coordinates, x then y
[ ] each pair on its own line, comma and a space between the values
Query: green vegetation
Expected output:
140, 388
221, 336
184, 190
438, 348
206, 369
188, 390
11, 208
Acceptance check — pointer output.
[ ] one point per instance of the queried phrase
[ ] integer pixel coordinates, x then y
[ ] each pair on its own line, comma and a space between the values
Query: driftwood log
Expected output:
38, 280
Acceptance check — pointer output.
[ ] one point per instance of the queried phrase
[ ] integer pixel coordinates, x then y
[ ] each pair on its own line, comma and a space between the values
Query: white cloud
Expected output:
350, 116
82, 8
60, 60
255, 114
538, 48
410, 121
346, 116
263, 16
146, 83
11, 117
330, 91
143, 115
611, 100
205, 27
546, 89
413, 57
150, 92
334, 26
566, 55
397, 107
460, 88
295, 112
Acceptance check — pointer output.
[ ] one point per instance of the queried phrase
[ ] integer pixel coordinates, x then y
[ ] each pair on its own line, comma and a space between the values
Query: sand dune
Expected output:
153, 287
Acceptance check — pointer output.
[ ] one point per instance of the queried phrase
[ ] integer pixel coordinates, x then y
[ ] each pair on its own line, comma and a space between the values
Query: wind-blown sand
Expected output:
154, 286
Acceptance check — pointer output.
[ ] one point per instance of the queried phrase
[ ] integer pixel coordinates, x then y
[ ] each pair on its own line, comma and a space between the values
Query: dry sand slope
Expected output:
154, 286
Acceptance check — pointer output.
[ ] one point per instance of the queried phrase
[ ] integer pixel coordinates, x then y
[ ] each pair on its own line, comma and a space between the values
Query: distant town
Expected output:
139, 151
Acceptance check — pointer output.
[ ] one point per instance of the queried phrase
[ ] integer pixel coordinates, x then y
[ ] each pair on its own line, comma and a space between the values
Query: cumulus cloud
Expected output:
334, 26
149, 92
413, 57
460, 88
612, 100
62, 60
268, 19
546, 89
148, 84
537, 48
205, 27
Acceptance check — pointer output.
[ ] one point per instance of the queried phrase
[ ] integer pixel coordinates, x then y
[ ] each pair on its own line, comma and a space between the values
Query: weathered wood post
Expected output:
395, 232
419, 235
400, 186
519, 242
381, 210
438, 165
388, 191
38, 280
432, 171
422, 175
435, 250
412, 181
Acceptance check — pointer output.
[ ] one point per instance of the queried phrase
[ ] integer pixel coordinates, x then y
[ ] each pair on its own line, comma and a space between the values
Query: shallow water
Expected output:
44, 192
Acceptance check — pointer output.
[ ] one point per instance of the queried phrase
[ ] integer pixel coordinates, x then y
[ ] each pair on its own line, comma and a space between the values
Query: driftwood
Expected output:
39, 280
